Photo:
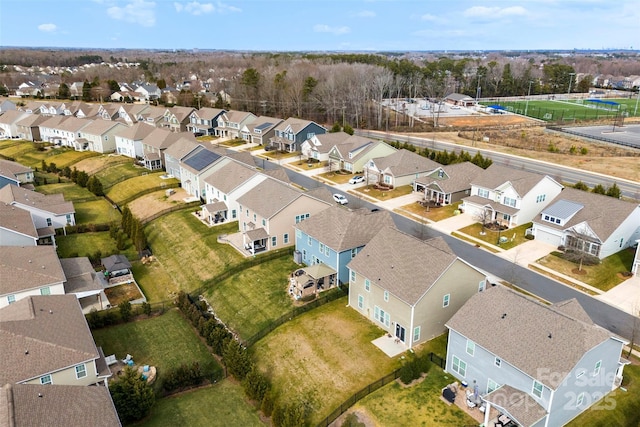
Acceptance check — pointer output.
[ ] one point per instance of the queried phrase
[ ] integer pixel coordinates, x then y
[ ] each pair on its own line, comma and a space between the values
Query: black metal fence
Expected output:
157, 215
591, 136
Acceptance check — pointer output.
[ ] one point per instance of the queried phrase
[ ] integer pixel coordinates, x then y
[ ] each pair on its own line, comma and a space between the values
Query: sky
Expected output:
333, 25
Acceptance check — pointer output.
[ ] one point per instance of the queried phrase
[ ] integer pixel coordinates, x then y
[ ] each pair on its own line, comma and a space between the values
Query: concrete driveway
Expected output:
528, 252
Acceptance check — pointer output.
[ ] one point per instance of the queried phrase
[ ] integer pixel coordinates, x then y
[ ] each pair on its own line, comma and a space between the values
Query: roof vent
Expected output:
550, 335
50, 311
503, 315
39, 394
26, 352
29, 261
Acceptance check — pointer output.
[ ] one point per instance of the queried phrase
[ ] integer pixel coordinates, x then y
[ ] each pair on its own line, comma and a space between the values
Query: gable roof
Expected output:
115, 262
32, 120
583, 206
99, 127
404, 162
81, 277
181, 113
72, 124
38, 405
27, 267
42, 334
278, 173
17, 220
295, 124
496, 175
230, 176
235, 116
404, 265
343, 230
53, 203
269, 197
359, 147
137, 132
199, 159
161, 138
207, 113
12, 169
324, 142
527, 334
181, 148
458, 177
12, 116
263, 124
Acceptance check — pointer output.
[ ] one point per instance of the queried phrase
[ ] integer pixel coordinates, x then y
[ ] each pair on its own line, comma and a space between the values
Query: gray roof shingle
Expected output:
17, 220
28, 267
53, 203
230, 176
269, 197
404, 162
11, 169
458, 177
496, 175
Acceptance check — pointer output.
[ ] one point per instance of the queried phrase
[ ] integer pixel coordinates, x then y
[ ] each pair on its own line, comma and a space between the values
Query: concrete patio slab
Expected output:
390, 345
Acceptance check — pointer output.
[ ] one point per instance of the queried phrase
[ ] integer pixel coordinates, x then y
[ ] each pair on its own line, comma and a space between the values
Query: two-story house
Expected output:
152, 115
46, 210
592, 223
448, 184
540, 365
155, 144
402, 167
129, 112
14, 173
290, 134
204, 121
29, 127
18, 229
9, 121
353, 153
410, 287
177, 118
129, 140
100, 135
335, 236
231, 122
174, 154
147, 92
195, 167
260, 130
68, 133
318, 146
508, 196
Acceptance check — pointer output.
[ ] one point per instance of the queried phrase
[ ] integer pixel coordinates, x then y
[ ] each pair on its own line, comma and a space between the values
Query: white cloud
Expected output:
47, 28
322, 28
495, 12
366, 14
139, 12
429, 17
222, 7
197, 8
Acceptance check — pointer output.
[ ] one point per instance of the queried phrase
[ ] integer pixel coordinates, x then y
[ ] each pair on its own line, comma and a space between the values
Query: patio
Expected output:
390, 345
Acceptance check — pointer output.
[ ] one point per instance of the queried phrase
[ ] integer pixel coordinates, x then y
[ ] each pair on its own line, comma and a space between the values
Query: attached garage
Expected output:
546, 235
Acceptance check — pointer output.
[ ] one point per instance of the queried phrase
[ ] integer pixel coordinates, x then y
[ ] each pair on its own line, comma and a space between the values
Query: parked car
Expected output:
269, 147
339, 198
455, 107
356, 179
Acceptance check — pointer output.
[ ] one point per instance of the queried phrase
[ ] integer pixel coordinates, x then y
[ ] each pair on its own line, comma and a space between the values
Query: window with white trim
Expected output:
509, 201
445, 300
541, 198
416, 334
274, 241
537, 389
471, 348
483, 193
491, 385
386, 296
354, 252
596, 369
481, 286
381, 316
497, 362
360, 302
45, 291
459, 366
285, 238
309, 240
321, 247
46, 379
81, 371
11, 299
367, 285
326, 250
234, 214
352, 277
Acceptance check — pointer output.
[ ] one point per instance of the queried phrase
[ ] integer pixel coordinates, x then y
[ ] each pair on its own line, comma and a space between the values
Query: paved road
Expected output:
560, 173
607, 316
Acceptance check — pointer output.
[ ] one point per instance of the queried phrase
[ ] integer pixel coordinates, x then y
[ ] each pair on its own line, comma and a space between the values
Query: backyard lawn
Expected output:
62, 157
337, 178
96, 212
93, 165
118, 173
128, 189
604, 276
85, 244
323, 356
166, 342
433, 214
248, 301
154, 281
222, 404
71, 191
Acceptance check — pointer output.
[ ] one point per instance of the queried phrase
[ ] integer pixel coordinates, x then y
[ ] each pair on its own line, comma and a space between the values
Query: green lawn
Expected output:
129, 188
165, 341
247, 301
93, 165
96, 212
620, 408
222, 404
17, 150
323, 356
369, 191
564, 110
118, 173
85, 244
189, 250
515, 236
71, 191
154, 280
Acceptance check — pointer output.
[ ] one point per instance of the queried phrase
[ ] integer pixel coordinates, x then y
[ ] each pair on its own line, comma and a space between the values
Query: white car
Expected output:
356, 179
339, 198
455, 107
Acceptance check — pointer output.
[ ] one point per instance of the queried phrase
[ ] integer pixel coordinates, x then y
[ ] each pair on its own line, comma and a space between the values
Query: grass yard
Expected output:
154, 281
125, 190
337, 178
620, 408
93, 165
17, 150
147, 205
119, 172
85, 244
561, 110
248, 301
323, 356
219, 405
71, 191
375, 193
433, 214
604, 276
515, 236
96, 212
62, 157
188, 250
166, 342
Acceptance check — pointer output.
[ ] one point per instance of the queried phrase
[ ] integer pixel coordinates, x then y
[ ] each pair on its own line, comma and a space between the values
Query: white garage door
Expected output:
546, 237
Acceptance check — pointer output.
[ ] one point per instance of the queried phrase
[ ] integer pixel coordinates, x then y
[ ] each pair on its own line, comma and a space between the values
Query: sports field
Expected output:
565, 110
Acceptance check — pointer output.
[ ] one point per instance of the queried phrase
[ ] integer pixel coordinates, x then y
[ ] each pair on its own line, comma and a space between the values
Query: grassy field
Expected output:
165, 341
323, 356
565, 110
125, 190
85, 244
604, 276
620, 408
16, 150
99, 163
96, 212
188, 250
154, 281
71, 191
248, 301
118, 173
220, 405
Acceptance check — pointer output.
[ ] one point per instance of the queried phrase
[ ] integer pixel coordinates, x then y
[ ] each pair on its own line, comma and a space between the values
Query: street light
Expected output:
526, 106
570, 81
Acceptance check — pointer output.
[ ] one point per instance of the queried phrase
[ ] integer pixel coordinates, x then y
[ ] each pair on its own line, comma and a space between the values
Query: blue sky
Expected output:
286, 25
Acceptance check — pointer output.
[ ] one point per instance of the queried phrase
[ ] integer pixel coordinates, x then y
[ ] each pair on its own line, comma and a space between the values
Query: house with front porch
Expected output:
100, 135
9, 123
587, 222
268, 212
335, 236
290, 134
14, 173
410, 287
177, 118
318, 146
510, 197
129, 140
29, 270
447, 184
204, 121
18, 229
539, 365
402, 167
155, 144
261, 130
175, 153
353, 154
231, 122
147, 92
49, 210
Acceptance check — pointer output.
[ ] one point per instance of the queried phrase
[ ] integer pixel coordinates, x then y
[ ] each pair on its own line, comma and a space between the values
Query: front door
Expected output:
399, 332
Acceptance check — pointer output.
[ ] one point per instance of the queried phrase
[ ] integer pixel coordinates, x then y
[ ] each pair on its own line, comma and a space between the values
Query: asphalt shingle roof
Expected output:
53, 203
12, 169
27, 267
17, 220
230, 176
496, 175
269, 197
458, 177
404, 162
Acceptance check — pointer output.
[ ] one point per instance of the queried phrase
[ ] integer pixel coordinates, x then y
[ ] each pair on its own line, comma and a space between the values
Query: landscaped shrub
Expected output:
267, 404
125, 310
237, 360
352, 420
256, 385
294, 414
132, 396
579, 257
184, 376
414, 368
529, 236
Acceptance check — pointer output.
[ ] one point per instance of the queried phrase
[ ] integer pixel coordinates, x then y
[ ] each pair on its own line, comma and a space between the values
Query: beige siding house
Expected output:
409, 287
403, 167
354, 153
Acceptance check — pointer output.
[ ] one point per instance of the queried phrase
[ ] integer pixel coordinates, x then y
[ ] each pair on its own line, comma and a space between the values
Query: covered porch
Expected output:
215, 212
311, 280
255, 241
152, 161
516, 408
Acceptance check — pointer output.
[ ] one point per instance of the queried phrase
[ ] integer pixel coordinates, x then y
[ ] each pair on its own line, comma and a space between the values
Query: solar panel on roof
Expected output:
201, 159
264, 125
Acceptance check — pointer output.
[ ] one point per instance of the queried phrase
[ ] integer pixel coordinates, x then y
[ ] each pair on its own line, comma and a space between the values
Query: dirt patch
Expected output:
150, 204
484, 121
362, 415
122, 293
579, 272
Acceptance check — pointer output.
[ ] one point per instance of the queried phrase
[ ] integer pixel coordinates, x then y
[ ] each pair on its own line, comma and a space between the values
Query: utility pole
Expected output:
570, 81
526, 105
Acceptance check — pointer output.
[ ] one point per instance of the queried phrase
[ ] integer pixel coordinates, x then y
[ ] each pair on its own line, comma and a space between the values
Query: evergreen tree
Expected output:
614, 191
599, 189
236, 360
132, 396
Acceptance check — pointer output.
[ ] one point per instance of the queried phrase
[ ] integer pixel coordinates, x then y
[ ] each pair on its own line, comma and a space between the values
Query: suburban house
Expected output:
402, 167
592, 223
177, 118
49, 129
230, 122
260, 130
46, 340
195, 167
152, 115
460, 99
318, 146
100, 135
46, 210
290, 134
67, 133
129, 112
204, 121
129, 140
6, 105
448, 184
9, 123
29, 270
175, 153
18, 229
29, 127
147, 92
540, 365
334, 237
38, 405
83, 282
155, 144
82, 110
268, 212
510, 197
108, 111
14, 173
355, 152
410, 287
